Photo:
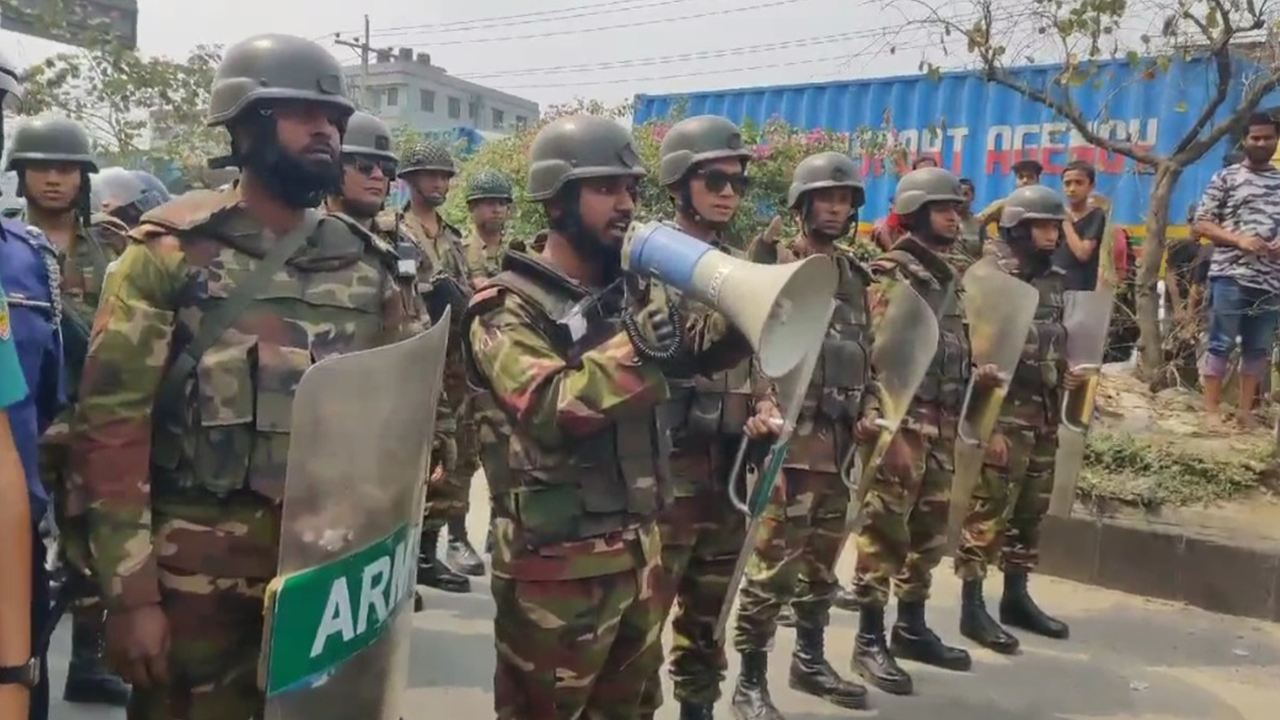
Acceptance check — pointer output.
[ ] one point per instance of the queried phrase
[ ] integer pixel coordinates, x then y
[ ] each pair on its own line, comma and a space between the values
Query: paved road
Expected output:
1127, 658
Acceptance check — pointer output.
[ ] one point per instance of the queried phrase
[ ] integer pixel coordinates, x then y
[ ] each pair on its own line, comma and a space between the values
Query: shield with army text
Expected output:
339, 613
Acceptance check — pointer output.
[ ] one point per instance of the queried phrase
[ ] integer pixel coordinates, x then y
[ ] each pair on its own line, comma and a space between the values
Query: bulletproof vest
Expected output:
944, 384
1038, 371
481, 259
602, 483
229, 430
84, 268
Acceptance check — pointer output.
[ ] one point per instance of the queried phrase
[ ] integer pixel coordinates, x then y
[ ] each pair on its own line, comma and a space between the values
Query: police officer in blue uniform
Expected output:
30, 277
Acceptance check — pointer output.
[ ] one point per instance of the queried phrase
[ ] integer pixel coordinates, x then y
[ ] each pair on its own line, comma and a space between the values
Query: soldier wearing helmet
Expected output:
222, 301
577, 357
489, 198
54, 162
1009, 502
368, 167
905, 512
428, 170
824, 198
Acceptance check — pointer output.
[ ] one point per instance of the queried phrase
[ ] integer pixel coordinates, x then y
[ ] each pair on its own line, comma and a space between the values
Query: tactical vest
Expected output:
230, 429
944, 384
603, 483
1043, 360
833, 400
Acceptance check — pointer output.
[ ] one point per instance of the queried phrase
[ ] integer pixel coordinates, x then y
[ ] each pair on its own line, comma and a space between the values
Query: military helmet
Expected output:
824, 170
274, 67
1033, 202
428, 155
10, 88
580, 146
156, 193
367, 135
926, 185
51, 139
116, 186
489, 184
698, 139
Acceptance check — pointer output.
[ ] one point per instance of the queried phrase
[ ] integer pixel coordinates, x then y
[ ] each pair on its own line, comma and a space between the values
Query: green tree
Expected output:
1237, 38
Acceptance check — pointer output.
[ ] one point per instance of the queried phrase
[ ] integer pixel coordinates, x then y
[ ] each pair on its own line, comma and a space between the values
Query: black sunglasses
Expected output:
717, 180
365, 166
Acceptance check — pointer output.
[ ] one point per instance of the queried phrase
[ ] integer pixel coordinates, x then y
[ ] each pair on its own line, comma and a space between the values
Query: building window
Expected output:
473, 110
497, 119
393, 96
522, 122
427, 99
375, 96
455, 108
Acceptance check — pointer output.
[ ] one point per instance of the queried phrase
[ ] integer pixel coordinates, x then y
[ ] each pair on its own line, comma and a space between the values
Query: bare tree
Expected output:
1235, 38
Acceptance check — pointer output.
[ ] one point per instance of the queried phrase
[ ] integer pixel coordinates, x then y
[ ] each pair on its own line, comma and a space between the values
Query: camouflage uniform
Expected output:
1011, 500
82, 265
184, 474
484, 260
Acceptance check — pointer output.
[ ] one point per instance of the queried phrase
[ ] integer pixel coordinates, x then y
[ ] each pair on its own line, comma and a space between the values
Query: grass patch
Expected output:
1151, 473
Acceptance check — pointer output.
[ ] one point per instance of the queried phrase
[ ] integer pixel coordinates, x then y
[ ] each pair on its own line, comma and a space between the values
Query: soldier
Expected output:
703, 168
803, 528
183, 426
904, 533
126, 194
53, 160
368, 165
489, 200
443, 279
578, 472
1013, 495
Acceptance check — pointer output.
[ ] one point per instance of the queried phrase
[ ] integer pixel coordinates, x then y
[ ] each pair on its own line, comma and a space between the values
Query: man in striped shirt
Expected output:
1240, 214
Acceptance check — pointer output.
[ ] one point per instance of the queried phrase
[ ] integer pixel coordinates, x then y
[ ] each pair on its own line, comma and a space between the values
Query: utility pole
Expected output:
363, 47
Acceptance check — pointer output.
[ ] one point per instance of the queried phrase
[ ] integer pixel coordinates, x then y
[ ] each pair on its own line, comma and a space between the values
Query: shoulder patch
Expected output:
193, 209
6, 331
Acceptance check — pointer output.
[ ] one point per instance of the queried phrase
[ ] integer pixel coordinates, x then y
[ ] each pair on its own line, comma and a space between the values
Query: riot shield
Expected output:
999, 309
1087, 318
338, 614
906, 339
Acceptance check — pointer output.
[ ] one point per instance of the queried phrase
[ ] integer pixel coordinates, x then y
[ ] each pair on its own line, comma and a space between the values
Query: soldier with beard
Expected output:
489, 202
53, 159
443, 280
803, 528
208, 321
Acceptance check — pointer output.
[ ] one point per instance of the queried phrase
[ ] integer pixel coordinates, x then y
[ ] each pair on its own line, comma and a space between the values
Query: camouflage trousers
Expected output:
1008, 506
73, 529
581, 648
449, 498
215, 635
701, 538
796, 549
904, 524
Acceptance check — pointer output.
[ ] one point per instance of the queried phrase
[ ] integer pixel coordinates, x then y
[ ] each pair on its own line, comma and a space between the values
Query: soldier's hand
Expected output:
138, 644
988, 377
866, 430
766, 423
658, 318
773, 233
998, 450
1073, 380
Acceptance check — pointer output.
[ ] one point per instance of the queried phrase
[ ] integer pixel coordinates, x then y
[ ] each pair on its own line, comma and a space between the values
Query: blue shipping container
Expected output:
979, 130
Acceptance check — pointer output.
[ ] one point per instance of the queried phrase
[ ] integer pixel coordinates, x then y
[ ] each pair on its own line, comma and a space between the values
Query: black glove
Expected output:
664, 331
658, 333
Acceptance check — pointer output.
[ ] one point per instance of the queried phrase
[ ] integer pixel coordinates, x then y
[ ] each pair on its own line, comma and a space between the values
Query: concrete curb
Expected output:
1170, 565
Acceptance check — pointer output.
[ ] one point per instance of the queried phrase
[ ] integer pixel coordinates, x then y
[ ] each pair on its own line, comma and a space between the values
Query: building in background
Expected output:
404, 88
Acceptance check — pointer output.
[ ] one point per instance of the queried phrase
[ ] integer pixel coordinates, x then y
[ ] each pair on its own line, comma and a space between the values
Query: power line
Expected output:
524, 18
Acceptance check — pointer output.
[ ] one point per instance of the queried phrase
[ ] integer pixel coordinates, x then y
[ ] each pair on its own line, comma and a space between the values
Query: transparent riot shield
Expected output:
906, 339
998, 310
1087, 318
338, 614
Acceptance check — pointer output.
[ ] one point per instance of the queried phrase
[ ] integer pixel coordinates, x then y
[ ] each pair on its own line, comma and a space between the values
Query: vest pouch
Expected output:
278, 371
844, 374
549, 514
220, 442
954, 368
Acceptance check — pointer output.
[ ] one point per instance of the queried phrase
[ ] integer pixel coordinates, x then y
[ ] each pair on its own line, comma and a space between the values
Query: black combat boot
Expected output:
845, 600
88, 678
813, 675
460, 556
696, 711
912, 639
871, 657
978, 625
786, 616
1019, 610
433, 573
751, 699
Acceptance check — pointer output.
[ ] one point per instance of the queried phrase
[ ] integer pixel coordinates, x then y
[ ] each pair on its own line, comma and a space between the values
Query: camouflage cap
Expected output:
580, 146
824, 170
428, 155
1033, 202
926, 185
367, 135
489, 184
275, 67
10, 88
53, 140
698, 139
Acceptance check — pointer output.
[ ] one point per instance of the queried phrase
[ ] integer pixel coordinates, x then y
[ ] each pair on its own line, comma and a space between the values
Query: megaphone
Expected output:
783, 310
